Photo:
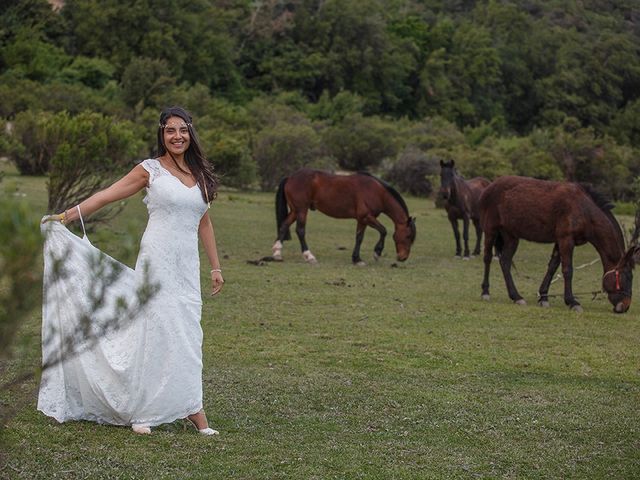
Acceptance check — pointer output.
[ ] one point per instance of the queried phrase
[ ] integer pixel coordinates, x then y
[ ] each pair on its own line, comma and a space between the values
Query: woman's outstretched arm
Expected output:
131, 183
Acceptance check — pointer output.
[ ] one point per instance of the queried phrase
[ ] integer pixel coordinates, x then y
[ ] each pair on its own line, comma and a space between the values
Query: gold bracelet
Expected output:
63, 216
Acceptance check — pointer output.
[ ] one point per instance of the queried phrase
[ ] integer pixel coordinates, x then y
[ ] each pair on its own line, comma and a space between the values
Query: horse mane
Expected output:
604, 204
394, 193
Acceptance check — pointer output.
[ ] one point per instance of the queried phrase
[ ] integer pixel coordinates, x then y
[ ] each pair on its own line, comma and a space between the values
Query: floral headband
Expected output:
176, 124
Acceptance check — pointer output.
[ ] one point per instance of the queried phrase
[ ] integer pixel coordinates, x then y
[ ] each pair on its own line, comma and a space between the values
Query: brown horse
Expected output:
461, 202
562, 213
360, 196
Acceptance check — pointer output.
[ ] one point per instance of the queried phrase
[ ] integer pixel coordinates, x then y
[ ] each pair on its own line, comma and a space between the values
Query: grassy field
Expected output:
377, 372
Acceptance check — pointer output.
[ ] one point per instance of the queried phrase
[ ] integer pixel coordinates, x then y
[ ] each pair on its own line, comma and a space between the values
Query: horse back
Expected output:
537, 210
338, 196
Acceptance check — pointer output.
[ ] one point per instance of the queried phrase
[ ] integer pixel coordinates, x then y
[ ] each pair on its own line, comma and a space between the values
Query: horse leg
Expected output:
282, 232
456, 235
465, 236
489, 242
543, 291
566, 256
377, 250
476, 224
355, 255
301, 222
506, 258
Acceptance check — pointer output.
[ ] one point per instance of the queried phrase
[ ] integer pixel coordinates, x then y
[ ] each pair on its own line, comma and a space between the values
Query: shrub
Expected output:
92, 72
87, 152
26, 146
146, 82
360, 143
281, 149
412, 171
430, 133
530, 156
337, 108
483, 161
231, 158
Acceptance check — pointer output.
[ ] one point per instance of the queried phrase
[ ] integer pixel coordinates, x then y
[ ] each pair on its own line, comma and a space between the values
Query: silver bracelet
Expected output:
219, 270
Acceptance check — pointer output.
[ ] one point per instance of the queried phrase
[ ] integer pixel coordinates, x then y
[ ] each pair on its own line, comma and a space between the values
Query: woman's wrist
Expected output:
213, 270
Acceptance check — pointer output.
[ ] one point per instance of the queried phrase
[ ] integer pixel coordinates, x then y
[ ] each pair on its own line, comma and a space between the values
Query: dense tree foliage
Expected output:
542, 88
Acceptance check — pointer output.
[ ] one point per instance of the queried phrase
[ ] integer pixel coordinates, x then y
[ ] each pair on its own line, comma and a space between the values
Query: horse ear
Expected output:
632, 256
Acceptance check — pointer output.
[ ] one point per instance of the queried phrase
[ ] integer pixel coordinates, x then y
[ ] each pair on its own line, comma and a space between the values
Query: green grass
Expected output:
382, 372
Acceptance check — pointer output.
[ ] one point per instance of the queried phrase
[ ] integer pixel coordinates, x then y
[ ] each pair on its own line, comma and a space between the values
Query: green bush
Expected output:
337, 108
267, 112
231, 157
32, 56
87, 152
20, 270
431, 133
26, 146
586, 156
483, 161
281, 149
92, 72
530, 156
361, 143
20, 94
412, 172
146, 82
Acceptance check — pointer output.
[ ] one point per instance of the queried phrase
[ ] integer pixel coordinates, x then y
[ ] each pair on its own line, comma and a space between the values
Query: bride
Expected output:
149, 372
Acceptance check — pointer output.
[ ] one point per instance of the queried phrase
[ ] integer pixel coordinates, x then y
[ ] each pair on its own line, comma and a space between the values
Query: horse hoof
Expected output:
577, 308
276, 257
466, 257
457, 256
309, 258
485, 296
544, 304
521, 301
360, 264
376, 257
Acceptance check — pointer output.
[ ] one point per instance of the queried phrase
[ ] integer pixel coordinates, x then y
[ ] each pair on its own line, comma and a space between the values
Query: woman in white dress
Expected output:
150, 372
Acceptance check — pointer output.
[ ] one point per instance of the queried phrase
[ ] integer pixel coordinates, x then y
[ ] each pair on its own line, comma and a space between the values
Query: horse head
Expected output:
404, 236
447, 177
618, 282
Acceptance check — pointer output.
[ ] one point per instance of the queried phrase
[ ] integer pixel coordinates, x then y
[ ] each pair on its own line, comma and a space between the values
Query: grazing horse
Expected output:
565, 214
461, 202
360, 196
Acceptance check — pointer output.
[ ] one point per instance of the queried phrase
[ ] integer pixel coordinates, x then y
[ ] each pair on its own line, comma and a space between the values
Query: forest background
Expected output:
548, 89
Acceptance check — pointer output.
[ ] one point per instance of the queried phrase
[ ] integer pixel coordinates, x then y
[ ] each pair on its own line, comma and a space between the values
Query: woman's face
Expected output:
176, 136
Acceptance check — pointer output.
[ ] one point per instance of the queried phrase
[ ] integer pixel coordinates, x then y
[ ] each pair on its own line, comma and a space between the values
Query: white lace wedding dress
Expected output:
149, 369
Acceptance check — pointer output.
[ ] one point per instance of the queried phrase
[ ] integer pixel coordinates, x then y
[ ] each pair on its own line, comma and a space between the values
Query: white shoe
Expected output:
208, 431
141, 429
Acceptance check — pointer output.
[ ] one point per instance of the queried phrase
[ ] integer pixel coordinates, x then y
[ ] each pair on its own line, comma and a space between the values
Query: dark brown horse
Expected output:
360, 196
461, 203
562, 213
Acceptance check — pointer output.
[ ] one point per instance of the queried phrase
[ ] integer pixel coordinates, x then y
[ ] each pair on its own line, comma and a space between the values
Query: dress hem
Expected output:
91, 418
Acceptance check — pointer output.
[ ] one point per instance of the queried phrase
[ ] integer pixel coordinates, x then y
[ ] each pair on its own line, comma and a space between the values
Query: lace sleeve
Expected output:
152, 166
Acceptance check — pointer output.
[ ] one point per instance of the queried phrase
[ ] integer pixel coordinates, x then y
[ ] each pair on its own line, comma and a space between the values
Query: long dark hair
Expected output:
196, 161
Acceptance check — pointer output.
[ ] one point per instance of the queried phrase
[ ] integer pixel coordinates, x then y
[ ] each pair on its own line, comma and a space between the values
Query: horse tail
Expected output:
499, 244
281, 209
